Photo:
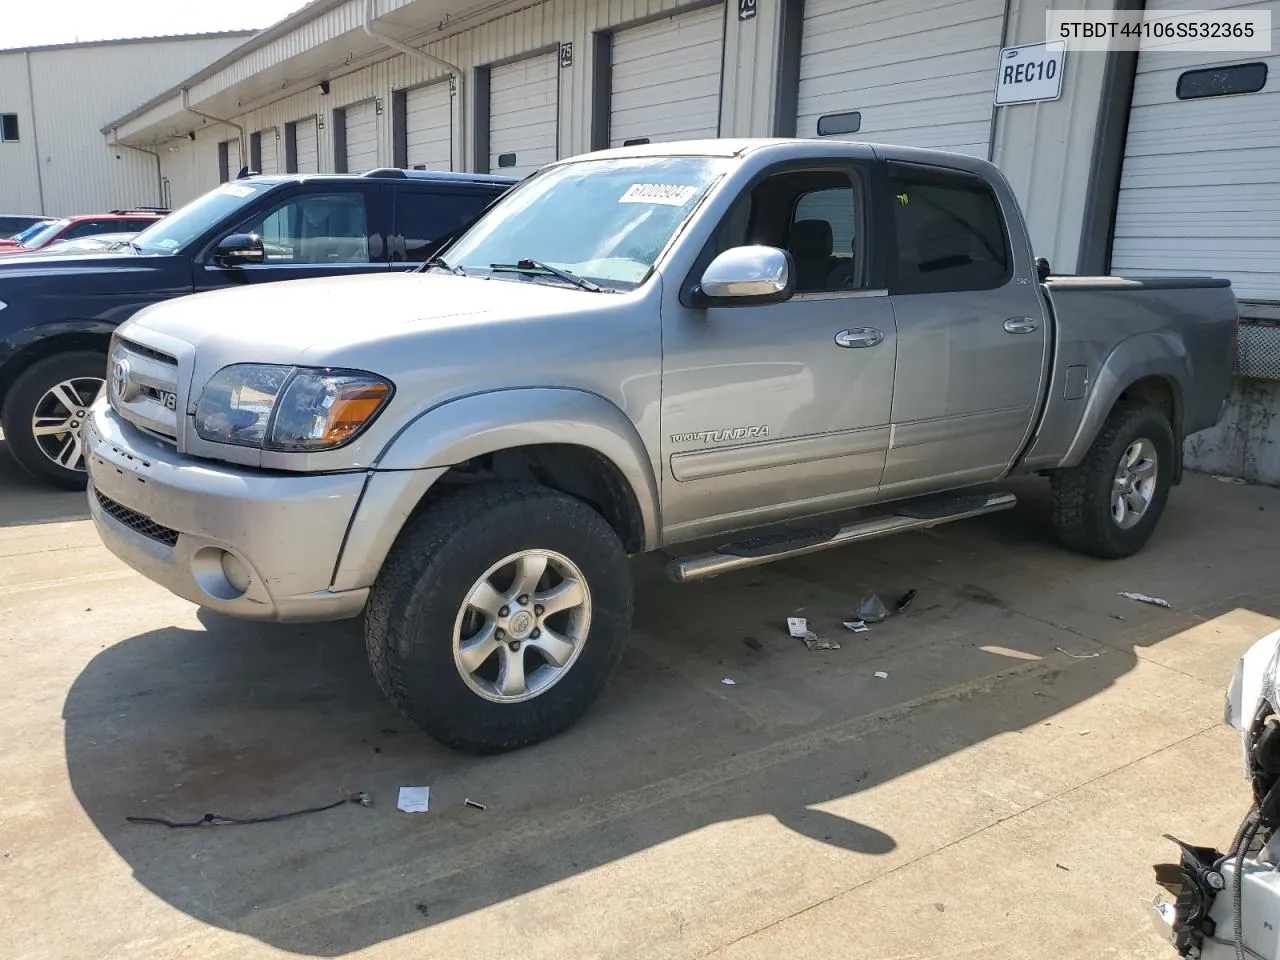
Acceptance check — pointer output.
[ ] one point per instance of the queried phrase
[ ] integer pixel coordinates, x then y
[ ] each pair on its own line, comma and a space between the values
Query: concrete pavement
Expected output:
995, 796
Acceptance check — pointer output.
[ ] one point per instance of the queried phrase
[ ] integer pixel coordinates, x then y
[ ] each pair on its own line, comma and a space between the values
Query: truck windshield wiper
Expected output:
453, 268
538, 267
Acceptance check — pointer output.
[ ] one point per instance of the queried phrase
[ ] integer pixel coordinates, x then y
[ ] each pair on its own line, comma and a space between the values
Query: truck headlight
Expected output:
288, 408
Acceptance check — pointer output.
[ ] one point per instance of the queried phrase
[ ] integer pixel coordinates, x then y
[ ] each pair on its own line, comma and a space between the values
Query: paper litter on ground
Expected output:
881, 675
728, 682
857, 626
414, 799
1078, 656
1143, 598
798, 627
820, 643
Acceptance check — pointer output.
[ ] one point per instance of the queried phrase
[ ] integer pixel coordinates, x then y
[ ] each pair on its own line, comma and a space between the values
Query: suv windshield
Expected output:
186, 223
33, 237
605, 220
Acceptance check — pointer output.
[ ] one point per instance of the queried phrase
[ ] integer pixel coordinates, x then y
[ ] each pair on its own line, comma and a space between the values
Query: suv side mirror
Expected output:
747, 276
238, 249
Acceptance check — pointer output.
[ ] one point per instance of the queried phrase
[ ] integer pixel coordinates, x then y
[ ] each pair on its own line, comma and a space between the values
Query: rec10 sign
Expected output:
1031, 73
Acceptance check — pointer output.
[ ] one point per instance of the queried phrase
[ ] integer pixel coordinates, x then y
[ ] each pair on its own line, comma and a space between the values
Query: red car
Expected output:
41, 235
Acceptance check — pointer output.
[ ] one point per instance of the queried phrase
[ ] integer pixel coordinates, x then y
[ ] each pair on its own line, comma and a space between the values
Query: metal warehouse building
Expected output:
54, 99
1145, 164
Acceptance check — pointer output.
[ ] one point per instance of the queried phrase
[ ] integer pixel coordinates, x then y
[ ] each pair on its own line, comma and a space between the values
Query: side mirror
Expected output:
239, 249
747, 276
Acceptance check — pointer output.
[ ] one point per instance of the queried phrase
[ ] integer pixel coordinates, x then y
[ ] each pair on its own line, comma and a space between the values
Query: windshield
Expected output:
186, 223
33, 237
605, 220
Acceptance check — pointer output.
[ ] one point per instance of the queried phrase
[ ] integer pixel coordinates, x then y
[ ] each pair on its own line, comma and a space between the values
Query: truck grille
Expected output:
143, 387
136, 521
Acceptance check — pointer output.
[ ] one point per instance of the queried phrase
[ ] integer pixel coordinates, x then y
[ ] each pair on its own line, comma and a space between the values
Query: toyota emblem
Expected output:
122, 381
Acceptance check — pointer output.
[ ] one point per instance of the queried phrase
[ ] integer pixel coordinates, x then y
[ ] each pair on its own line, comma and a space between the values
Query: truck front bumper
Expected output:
248, 543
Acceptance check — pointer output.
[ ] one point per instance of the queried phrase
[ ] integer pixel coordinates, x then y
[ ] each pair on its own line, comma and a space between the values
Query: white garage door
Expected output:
428, 122
666, 79
1200, 187
307, 146
269, 146
921, 73
523, 104
362, 137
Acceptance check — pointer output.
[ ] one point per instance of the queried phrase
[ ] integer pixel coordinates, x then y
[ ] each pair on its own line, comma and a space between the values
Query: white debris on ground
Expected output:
414, 799
1143, 598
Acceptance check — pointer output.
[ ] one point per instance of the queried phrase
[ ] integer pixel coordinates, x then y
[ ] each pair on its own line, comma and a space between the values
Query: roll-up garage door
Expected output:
269, 146
306, 143
428, 122
916, 72
523, 105
1200, 186
362, 137
666, 78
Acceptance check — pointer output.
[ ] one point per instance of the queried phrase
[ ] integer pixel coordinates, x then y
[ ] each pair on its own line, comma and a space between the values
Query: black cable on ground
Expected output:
217, 820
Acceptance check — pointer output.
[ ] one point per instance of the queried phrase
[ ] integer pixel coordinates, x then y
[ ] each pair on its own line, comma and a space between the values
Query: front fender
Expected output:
468, 427
1161, 354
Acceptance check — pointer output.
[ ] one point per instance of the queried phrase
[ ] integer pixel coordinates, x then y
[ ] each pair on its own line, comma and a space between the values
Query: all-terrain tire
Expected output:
438, 558
1082, 495
29, 390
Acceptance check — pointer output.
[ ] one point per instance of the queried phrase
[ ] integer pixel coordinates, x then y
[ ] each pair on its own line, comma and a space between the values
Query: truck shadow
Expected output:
247, 719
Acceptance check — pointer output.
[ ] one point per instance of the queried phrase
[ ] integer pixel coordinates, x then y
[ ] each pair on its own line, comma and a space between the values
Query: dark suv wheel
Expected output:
44, 411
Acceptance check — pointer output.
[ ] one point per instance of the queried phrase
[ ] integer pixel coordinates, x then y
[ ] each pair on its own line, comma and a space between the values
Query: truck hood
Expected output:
337, 321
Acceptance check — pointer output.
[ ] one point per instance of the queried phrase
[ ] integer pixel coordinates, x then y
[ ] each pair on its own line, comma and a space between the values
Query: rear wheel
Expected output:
44, 412
499, 616
1109, 505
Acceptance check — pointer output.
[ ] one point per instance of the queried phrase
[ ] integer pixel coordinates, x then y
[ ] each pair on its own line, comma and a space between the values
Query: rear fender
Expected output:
1144, 355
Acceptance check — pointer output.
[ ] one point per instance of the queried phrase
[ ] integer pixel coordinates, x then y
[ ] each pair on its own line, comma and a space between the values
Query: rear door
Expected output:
426, 215
317, 230
972, 334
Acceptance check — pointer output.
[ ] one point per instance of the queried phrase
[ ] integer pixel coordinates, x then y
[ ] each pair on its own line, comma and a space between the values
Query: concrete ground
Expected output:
1001, 794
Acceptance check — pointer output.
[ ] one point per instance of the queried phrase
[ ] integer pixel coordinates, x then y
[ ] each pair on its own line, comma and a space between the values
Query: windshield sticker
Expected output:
667, 194
238, 191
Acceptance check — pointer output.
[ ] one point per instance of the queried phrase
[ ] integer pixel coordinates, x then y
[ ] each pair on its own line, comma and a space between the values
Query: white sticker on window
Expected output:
667, 194
237, 191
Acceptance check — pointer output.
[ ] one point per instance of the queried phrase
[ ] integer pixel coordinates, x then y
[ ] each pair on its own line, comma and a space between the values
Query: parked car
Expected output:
75, 228
631, 351
11, 224
1227, 904
103, 241
60, 311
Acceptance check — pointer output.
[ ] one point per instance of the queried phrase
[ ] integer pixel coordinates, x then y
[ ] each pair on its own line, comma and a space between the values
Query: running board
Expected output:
919, 514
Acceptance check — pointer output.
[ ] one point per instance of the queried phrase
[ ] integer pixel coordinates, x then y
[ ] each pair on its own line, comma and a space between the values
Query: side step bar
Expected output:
909, 515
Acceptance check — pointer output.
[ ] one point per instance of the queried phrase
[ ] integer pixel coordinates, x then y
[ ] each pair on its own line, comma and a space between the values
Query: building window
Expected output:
1222, 81
835, 124
9, 127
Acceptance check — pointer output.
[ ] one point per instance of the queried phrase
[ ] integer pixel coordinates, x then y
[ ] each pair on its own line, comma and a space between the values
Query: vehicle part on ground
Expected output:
44, 413
1109, 505
453, 627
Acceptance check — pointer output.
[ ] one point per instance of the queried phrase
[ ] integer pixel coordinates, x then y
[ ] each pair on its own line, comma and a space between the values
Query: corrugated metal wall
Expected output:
76, 91
747, 90
19, 184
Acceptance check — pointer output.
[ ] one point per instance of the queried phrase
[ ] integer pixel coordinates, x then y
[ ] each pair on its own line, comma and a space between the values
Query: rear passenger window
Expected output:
950, 233
425, 219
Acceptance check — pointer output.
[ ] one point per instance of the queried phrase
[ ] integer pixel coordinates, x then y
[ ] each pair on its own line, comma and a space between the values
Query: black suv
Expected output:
57, 313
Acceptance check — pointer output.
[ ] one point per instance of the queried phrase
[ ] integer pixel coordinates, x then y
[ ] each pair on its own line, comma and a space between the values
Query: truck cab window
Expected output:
950, 232
319, 228
813, 214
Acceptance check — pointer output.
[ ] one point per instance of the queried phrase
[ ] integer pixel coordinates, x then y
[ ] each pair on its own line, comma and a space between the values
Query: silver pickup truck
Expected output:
772, 346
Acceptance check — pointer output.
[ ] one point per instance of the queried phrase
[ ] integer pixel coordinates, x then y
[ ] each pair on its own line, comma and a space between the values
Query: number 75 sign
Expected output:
1030, 73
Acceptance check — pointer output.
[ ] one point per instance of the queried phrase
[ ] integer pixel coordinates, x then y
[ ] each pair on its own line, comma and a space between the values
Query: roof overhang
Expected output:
323, 41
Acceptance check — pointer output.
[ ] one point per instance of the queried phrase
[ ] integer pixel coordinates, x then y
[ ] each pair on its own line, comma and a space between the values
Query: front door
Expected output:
772, 411
311, 233
972, 334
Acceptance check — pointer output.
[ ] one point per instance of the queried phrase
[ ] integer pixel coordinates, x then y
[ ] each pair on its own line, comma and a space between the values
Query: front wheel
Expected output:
499, 616
45, 411
1109, 505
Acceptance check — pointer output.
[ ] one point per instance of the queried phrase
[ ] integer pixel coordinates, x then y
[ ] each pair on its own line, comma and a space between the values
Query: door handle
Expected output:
859, 337
1020, 325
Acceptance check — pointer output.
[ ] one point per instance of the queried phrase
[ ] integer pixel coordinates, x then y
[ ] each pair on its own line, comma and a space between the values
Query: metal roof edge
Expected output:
312, 10
124, 41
